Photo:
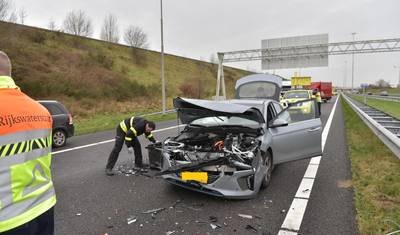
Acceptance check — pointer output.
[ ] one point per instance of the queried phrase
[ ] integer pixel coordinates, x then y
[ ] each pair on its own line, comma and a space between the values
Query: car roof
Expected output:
259, 77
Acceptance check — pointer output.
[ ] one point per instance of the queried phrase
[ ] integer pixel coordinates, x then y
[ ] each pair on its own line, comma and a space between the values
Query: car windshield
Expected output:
225, 121
296, 95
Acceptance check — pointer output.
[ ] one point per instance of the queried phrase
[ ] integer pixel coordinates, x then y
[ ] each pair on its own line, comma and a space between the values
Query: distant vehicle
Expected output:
369, 93
383, 93
325, 89
63, 126
294, 96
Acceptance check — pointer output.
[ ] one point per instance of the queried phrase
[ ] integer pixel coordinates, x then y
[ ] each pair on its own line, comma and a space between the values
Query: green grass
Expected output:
389, 90
376, 178
389, 107
102, 122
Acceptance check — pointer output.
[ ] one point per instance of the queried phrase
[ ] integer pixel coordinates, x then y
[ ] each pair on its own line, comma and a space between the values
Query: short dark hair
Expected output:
151, 124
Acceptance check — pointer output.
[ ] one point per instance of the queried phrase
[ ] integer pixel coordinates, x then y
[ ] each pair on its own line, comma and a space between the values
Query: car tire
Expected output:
59, 138
269, 165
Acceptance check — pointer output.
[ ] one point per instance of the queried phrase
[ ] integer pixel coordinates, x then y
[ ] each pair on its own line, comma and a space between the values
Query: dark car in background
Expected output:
63, 126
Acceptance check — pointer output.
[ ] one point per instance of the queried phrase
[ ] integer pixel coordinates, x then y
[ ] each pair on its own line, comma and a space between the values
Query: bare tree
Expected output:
5, 8
135, 37
52, 25
22, 15
109, 31
382, 83
78, 23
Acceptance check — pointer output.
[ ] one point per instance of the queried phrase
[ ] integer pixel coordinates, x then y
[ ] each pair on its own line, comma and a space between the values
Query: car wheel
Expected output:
59, 138
269, 166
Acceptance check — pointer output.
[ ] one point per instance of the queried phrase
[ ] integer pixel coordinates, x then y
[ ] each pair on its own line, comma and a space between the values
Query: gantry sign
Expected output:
304, 51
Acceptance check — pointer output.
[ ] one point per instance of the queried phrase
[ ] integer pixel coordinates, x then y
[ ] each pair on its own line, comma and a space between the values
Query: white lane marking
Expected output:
107, 141
311, 171
315, 160
296, 213
293, 220
283, 232
304, 190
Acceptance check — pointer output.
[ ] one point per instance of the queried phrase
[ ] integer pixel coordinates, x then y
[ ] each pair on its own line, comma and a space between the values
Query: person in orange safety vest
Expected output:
27, 195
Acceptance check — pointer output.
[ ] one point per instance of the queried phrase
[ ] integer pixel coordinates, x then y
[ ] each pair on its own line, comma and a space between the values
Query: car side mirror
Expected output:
278, 123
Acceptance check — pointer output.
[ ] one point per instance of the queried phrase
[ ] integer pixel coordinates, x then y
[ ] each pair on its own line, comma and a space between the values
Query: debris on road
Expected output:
201, 222
175, 204
249, 216
245, 216
283, 211
154, 211
131, 219
251, 228
305, 190
213, 218
128, 170
170, 232
215, 226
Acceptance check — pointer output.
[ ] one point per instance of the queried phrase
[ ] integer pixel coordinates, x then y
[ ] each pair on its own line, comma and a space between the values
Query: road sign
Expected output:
283, 48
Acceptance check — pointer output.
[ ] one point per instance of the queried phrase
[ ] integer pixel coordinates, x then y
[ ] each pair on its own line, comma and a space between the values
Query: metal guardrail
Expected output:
385, 127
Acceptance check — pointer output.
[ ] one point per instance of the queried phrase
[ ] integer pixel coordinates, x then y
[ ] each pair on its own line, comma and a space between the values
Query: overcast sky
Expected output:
197, 29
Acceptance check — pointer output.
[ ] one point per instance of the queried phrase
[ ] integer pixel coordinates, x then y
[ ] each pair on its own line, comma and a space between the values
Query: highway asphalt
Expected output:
89, 202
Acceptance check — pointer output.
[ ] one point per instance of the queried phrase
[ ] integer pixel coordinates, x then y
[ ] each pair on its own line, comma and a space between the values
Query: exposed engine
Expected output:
215, 149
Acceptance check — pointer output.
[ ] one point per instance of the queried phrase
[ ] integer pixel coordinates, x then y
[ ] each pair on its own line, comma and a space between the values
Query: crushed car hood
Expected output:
192, 109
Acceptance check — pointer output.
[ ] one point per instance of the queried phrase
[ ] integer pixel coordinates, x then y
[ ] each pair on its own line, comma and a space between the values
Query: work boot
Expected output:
109, 172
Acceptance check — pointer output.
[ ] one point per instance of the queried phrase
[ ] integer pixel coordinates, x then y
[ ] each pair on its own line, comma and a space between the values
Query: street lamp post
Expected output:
352, 65
162, 62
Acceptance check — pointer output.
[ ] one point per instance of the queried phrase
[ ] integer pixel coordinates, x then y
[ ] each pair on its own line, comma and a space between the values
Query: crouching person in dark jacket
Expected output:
129, 130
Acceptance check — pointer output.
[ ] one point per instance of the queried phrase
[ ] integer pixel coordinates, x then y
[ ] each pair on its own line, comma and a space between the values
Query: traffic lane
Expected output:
332, 194
80, 140
105, 202
121, 196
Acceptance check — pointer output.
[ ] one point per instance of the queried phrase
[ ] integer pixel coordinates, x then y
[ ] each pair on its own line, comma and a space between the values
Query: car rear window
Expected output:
264, 90
54, 109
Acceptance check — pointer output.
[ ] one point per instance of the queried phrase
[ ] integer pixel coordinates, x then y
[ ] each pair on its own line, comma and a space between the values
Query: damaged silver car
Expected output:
229, 148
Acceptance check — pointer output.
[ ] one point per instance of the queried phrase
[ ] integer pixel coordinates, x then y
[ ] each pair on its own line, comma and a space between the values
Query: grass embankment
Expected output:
376, 178
102, 122
391, 91
389, 107
100, 81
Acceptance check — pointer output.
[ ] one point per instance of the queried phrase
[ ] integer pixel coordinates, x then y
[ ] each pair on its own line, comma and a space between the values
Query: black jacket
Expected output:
136, 129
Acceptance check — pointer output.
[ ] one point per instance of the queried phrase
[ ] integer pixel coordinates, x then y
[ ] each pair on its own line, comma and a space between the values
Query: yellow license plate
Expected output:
201, 177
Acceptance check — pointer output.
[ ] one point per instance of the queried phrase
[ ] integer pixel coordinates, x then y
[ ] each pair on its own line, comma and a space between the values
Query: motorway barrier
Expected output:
385, 127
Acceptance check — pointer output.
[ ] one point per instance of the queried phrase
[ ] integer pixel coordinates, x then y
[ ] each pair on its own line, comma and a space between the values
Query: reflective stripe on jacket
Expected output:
134, 127
26, 187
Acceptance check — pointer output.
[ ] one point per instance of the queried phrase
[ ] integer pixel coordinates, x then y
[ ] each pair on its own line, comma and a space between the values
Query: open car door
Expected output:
296, 132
